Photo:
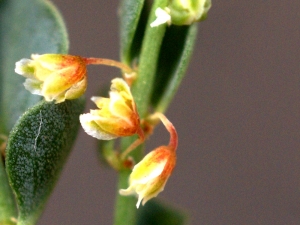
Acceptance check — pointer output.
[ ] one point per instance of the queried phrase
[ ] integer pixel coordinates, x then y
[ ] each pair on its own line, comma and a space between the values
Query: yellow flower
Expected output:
54, 76
117, 116
149, 176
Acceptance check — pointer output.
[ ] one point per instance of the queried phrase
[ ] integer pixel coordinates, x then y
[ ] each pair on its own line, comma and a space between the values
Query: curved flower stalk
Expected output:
150, 175
128, 73
117, 115
54, 76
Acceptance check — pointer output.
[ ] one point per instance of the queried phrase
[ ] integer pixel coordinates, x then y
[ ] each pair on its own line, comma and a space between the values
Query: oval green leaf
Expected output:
130, 11
26, 27
37, 149
174, 58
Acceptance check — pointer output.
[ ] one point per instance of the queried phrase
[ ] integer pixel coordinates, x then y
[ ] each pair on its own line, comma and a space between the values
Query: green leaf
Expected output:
156, 213
7, 204
37, 149
172, 64
26, 27
130, 11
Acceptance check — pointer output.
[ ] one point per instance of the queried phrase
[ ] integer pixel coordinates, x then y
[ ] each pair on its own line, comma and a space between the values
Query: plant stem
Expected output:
125, 211
134, 144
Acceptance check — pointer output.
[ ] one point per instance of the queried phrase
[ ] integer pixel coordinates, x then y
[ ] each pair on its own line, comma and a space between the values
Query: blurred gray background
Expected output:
237, 114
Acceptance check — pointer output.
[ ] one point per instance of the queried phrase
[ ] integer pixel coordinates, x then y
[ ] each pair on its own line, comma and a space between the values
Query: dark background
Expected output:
237, 115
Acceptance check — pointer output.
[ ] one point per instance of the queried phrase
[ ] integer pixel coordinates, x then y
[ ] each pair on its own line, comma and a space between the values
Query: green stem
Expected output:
142, 87
125, 209
125, 212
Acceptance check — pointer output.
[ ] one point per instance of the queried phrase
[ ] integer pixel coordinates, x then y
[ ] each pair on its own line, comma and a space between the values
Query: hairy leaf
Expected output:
26, 27
36, 151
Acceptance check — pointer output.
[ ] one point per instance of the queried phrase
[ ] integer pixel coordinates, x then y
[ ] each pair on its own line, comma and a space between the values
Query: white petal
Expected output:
129, 191
22, 66
162, 16
95, 99
34, 86
91, 128
139, 202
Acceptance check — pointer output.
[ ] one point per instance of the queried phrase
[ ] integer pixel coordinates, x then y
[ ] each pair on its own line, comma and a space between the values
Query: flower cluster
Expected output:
62, 77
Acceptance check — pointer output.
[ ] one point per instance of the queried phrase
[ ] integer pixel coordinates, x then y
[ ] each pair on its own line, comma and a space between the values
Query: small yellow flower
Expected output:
149, 176
54, 76
117, 116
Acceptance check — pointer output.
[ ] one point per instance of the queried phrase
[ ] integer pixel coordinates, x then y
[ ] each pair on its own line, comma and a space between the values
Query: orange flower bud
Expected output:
117, 116
150, 175
54, 76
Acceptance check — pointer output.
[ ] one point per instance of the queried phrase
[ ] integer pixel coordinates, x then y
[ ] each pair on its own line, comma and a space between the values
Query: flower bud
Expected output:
54, 76
182, 12
185, 12
117, 116
150, 175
